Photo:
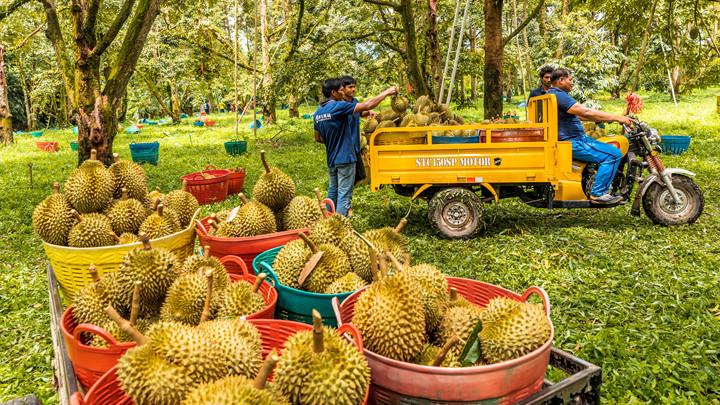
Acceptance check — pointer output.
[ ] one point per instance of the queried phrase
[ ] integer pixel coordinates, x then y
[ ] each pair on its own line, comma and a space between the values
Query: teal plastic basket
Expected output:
145, 152
675, 144
236, 147
73, 145
293, 304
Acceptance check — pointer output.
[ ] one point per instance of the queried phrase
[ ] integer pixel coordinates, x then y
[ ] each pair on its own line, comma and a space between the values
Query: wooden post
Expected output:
6, 134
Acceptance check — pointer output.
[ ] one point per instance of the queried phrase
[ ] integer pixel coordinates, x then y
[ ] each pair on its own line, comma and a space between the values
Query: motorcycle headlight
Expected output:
654, 136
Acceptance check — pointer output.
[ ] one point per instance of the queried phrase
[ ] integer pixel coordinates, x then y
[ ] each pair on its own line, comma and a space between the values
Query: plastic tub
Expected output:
36, 134
515, 135
73, 145
47, 146
440, 140
295, 304
268, 292
199, 124
236, 180
208, 190
501, 383
147, 152
236, 147
246, 248
274, 333
675, 144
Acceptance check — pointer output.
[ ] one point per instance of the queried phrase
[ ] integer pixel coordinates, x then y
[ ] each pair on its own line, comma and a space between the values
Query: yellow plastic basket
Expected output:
71, 264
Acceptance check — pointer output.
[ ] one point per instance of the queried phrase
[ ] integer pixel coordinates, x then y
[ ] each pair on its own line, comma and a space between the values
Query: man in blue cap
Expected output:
335, 127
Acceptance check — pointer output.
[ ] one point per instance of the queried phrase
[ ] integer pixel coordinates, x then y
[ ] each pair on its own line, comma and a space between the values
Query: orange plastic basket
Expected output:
236, 180
268, 292
501, 383
274, 333
208, 190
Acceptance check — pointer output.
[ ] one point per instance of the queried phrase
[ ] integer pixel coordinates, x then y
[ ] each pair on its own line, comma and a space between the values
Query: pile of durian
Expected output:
334, 258
220, 362
425, 112
275, 208
151, 285
409, 315
110, 206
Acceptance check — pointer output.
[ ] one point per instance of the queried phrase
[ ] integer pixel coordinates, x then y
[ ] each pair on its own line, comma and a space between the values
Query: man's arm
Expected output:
375, 101
588, 114
318, 137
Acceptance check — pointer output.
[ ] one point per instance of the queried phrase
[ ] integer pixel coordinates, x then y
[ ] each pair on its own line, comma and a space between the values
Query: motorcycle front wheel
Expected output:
662, 209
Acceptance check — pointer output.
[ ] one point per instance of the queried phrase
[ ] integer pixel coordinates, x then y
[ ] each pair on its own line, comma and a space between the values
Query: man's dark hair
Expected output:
347, 80
547, 69
560, 73
330, 85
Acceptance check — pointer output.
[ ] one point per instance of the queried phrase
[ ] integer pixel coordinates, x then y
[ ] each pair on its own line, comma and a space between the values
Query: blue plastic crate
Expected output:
675, 144
147, 152
455, 139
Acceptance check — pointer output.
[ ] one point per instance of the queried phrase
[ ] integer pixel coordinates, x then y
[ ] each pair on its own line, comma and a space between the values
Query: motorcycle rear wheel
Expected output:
661, 208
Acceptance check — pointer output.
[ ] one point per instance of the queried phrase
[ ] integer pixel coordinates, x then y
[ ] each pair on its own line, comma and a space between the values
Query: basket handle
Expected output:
210, 167
77, 399
95, 330
200, 227
330, 204
270, 273
541, 293
354, 332
336, 309
235, 260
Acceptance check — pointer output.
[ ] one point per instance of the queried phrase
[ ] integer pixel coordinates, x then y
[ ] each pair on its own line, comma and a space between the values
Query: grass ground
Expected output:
637, 299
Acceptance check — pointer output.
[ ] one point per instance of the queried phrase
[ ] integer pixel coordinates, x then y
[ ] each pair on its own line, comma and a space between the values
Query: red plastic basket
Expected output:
268, 292
47, 146
208, 191
274, 333
501, 383
236, 181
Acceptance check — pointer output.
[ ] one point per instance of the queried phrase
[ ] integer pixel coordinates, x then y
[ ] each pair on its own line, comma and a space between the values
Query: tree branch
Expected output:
10, 8
27, 38
54, 35
520, 27
206, 48
383, 3
296, 37
114, 28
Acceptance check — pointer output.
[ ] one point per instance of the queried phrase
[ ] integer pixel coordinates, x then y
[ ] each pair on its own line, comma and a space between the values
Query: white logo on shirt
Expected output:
323, 117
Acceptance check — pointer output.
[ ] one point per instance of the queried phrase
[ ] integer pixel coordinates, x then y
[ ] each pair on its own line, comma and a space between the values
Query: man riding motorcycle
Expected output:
585, 148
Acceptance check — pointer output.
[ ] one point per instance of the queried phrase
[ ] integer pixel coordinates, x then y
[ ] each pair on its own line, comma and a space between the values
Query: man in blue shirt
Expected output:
334, 127
545, 75
585, 148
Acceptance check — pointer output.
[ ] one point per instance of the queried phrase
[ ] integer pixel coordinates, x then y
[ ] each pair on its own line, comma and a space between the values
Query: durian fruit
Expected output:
389, 115
435, 356
128, 238
127, 214
301, 212
90, 302
420, 103
154, 268
370, 125
331, 229
91, 230
390, 316
510, 330
321, 367
151, 199
408, 120
386, 124
241, 299
348, 282
275, 189
183, 203
240, 344
160, 223
253, 218
399, 104
421, 119
235, 390
128, 175
434, 294
114, 329
332, 265
459, 321
52, 219
190, 299
89, 188
194, 263
290, 262
389, 240
359, 255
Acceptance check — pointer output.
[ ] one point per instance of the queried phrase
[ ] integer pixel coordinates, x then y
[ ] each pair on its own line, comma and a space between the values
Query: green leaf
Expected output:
472, 351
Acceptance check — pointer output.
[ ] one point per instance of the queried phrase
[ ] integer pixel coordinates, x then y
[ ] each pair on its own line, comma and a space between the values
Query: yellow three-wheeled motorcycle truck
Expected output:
524, 160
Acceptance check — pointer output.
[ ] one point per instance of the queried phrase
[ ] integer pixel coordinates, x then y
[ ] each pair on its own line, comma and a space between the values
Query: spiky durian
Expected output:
274, 188
90, 302
253, 218
183, 203
126, 214
129, 175
359, 255
194, 263
301, 212
333, 264
161, 223
390, 316
321, 367
511, 330
240, 343
89, 188
128, 238
459, 321
52, 219
348, 282
241, 299
290, 262
190, 298
91, 230
389, 240
434, 294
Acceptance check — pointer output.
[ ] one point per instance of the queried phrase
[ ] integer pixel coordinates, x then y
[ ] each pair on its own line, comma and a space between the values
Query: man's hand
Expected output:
369, 114
391, 91
625, 120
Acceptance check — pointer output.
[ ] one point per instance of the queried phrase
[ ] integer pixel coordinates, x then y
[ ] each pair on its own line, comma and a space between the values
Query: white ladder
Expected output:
457, 51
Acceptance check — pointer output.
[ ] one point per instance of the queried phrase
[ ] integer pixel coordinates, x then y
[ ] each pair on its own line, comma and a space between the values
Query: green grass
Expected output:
632, 297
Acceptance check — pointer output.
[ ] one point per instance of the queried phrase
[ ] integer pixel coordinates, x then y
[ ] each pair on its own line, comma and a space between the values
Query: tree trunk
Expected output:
414, 72
434, 45
269, 99
561, 44
473, 78
6, 130
29, 118
157, 94
643, 47
528, 63
293, 105
175, 102
493, 47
